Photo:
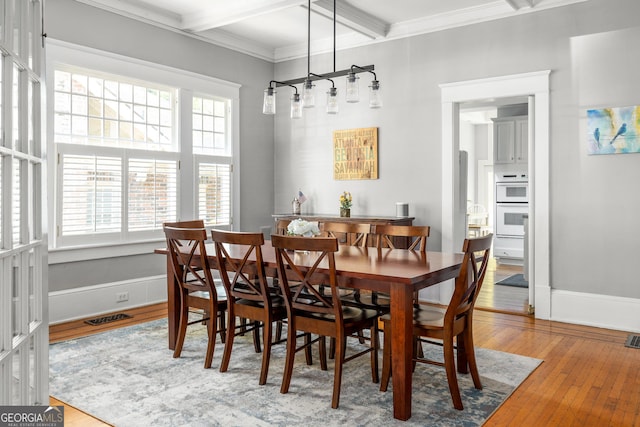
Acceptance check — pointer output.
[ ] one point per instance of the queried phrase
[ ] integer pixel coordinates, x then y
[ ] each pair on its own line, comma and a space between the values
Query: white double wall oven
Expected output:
512, 207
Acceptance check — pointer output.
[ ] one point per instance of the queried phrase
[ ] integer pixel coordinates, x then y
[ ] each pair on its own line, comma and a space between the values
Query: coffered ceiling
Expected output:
276, 30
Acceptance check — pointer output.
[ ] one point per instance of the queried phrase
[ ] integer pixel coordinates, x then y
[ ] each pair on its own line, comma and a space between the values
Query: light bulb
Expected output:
332, 100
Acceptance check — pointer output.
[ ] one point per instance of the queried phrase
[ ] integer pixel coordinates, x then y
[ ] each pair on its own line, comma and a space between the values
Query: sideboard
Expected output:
347, 239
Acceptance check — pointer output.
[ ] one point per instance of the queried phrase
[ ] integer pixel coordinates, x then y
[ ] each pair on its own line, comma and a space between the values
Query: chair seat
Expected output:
425, 316
349, 314
375, 300
276, 302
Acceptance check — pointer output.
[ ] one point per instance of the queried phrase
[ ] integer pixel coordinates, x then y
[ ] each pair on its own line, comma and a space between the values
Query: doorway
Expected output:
535, 86
479, 120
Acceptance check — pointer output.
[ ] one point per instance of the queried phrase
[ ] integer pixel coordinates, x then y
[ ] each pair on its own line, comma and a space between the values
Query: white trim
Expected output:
601, 311
79, 303
526, 84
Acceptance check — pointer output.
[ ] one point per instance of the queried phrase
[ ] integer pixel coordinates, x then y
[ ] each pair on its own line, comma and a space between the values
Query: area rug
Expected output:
128, 377
517, 280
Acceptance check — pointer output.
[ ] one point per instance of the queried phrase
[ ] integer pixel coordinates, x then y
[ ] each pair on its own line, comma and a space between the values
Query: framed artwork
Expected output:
355, 154
613, 130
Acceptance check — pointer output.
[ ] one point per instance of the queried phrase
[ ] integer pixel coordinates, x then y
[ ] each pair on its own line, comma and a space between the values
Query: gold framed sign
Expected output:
355, 154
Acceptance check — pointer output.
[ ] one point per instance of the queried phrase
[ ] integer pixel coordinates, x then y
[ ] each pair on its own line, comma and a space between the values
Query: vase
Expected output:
345, 213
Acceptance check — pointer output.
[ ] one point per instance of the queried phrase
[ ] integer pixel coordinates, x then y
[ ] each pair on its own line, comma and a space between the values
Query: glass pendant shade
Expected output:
332, 101
269, 102
308, 94
296, 106
375, 95
352, 94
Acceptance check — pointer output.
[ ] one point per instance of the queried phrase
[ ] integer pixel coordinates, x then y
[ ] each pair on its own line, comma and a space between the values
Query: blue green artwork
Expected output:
613, 130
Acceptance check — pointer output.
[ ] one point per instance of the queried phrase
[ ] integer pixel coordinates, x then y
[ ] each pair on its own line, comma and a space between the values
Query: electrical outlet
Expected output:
122, 296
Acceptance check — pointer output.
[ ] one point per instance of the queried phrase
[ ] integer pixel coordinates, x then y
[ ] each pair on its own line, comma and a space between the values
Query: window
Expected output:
133, 152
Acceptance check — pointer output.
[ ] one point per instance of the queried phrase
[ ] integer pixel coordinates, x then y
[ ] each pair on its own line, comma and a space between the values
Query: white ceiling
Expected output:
276, 30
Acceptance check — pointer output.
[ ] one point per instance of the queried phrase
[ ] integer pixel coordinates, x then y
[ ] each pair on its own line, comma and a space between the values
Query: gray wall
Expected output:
593, 199
75, 22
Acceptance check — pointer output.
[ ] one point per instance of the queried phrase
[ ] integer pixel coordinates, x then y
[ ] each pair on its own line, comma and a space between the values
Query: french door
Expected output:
23, 249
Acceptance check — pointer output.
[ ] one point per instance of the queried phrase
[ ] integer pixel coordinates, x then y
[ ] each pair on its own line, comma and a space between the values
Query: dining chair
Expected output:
414, 237
249, 294
351, 233
197, 289
281, 226
446, 323
310, 311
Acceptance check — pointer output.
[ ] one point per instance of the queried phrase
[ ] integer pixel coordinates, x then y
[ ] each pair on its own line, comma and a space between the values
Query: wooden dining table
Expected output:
398, 272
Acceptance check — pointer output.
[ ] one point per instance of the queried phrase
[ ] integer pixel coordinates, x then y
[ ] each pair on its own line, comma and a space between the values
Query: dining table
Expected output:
398, 272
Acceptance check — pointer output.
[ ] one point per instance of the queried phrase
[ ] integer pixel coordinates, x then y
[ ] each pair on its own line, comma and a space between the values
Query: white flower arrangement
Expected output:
300, 227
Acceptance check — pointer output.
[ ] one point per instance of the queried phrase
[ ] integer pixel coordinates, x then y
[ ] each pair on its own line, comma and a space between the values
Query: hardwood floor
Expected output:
588, 377
500, 298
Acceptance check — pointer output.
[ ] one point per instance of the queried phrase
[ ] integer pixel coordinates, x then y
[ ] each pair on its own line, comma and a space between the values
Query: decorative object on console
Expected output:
300, 227
345, 204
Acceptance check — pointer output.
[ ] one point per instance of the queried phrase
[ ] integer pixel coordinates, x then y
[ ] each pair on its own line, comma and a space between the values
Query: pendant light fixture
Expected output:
308, 96
269, 101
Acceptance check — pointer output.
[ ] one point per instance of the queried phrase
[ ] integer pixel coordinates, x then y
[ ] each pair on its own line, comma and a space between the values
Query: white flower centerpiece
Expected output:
300, 227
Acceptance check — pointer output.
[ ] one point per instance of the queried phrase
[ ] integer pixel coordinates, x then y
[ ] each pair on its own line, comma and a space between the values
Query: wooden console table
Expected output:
347, 239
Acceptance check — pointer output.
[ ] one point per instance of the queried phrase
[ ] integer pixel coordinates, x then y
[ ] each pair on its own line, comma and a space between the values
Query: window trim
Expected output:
59, 52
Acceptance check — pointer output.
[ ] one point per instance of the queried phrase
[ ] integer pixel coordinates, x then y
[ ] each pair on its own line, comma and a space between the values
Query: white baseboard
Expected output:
602, 311
78, 303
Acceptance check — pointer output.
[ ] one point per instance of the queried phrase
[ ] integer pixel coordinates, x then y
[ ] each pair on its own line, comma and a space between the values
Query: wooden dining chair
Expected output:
249, 294
351, 233
447, 323
310, 311
413, 237
281, 226
197, 289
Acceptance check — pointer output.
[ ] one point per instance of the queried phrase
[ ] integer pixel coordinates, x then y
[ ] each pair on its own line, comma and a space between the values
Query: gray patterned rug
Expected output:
128, 377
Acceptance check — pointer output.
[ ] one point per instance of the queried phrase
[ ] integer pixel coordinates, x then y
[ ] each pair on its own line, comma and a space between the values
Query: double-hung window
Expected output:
136, 146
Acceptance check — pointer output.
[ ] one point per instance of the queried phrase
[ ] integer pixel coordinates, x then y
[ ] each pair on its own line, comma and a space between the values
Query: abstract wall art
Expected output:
613, 130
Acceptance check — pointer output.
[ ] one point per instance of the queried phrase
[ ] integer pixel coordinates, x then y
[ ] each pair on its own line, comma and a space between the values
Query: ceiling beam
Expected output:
230, 12
351, 17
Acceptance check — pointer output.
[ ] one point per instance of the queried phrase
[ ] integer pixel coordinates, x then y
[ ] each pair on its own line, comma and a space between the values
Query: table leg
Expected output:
173, 305
402, 349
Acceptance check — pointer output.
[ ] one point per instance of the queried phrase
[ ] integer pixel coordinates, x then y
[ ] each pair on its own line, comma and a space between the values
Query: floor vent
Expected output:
633, 341
106, 319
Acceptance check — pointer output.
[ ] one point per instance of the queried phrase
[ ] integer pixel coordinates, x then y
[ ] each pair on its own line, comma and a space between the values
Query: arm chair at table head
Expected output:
353, 233
249, 295
192, 273
453, 321
310, 311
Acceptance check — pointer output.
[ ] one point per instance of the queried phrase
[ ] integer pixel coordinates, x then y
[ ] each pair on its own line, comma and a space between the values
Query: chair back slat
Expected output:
189, 261
298, 274
360, 231
242, 277
417, 235
471, 276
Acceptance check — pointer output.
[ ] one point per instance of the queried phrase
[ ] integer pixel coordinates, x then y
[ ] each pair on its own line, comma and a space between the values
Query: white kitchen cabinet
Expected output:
511, 139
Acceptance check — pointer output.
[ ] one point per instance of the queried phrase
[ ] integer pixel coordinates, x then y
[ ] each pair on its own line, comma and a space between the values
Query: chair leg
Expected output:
291, 353
307, 348
182, 326
374, 353
278, 330
228, 345
266, 354
471, 356
450, 366
211, 345
256, 336
341, 343
222, 328
332, 348
322, 348
386, 360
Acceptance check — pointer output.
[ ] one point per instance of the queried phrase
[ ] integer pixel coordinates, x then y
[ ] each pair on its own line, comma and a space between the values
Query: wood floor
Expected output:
588, 377
508, 299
